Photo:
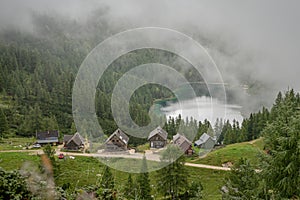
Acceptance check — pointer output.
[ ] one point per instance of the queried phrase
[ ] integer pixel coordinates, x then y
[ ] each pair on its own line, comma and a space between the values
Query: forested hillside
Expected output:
38, 72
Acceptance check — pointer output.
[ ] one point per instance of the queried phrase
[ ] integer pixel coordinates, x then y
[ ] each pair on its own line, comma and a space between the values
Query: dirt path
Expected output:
207, 166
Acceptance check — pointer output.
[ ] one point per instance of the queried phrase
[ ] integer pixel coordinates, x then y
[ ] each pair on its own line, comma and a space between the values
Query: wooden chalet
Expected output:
73, 142
205, 142
118, 141
183, 143
48, 137
158, 138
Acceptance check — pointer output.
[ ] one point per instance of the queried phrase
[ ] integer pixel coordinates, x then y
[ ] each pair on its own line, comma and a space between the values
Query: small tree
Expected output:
282, 138
107, 184
129, 189
13, 186
195, 191
50, 152
242, 182
3, 124
143, 182
172, 179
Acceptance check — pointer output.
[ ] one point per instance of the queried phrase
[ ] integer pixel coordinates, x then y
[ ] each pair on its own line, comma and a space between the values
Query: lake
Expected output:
201, 108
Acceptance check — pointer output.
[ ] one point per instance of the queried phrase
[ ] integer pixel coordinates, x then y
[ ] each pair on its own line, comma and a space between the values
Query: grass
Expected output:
84, 171
14, 161
232, 153
15, 143
143, 148
259, 143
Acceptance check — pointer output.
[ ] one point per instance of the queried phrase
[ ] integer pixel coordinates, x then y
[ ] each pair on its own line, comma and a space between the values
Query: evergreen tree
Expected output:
242, 182
3, 124
106, 189
129, 190
282, 138
218, 127
50, 153
143, 182
50, 123
73, 128
13, 186
172, 179
196, 191
228, 133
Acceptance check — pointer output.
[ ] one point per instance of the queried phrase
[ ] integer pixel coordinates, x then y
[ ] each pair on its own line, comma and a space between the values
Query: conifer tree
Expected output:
107, 184
3, 124
172, 179
129, 190
242, 182
282, 138
143, 182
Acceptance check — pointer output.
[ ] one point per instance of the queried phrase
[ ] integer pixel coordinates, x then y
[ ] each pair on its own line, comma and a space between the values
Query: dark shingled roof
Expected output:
67, 138
119, 134
161, 132
77, 139
181, 141
47, 137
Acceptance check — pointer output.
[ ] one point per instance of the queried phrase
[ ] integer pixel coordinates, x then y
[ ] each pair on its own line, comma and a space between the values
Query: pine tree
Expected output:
50, 123
196, 191
143, 182
13, 185
107, 184
172, 179
282, 138
3, 124
242, 182
129, 190
73, 128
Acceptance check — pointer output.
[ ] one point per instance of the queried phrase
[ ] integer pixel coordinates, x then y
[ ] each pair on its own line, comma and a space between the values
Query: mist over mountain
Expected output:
254, 43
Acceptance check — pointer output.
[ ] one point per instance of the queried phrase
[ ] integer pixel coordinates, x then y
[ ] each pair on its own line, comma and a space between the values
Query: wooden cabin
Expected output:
73, 142
183, 143
48, 137
205, 142
118, 141
158, 138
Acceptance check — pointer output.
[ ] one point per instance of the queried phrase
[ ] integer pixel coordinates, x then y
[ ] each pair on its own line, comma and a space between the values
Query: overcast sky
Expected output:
268, 29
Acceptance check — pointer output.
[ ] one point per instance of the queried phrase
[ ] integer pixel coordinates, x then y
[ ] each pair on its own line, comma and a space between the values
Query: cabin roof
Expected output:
67, 138
158, 131
77, 139
181, 141
119, 134
203, 138
47, 135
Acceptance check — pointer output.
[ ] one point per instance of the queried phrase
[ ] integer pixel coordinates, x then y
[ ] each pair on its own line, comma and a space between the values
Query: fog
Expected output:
252, 41
202, 108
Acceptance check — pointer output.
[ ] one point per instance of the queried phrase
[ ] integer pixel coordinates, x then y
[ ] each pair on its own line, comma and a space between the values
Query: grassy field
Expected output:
83, 171
12, 161
15, 143
232, 153
143, 148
